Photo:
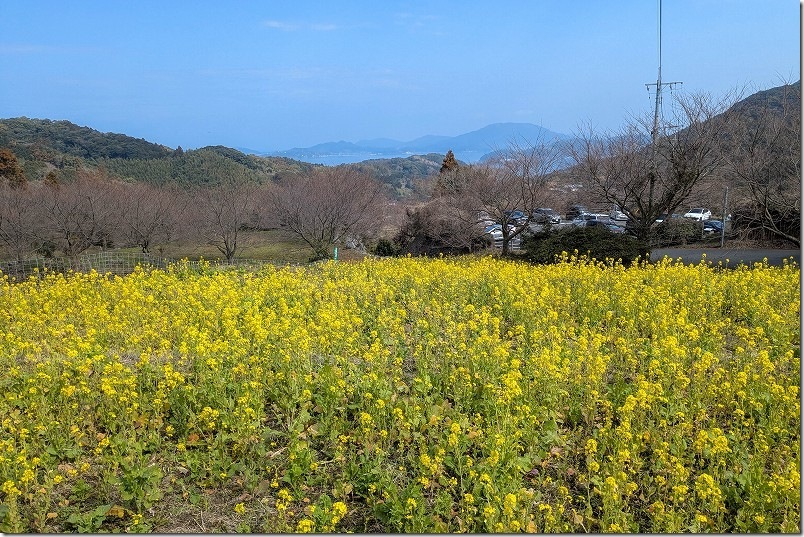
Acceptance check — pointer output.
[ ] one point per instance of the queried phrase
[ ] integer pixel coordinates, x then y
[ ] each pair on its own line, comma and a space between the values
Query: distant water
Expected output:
334, 160
350, 158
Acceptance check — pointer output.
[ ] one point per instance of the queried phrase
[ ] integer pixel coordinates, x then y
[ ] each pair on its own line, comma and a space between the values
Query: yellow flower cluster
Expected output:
467, 394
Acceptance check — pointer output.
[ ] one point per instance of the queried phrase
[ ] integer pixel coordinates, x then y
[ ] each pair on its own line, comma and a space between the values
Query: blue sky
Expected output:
272, 75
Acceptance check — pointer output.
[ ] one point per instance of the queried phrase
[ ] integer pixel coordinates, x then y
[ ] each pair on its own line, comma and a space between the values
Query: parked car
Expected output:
544, 215
574, 211
664, 216
608, 224
698, 213
713, 226
495, 230
617, 214
516, 216
583, 219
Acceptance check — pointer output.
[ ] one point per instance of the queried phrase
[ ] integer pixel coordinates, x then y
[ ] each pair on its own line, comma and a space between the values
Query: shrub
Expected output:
596, 242
385, 248
677, 231
752, 221
435, 229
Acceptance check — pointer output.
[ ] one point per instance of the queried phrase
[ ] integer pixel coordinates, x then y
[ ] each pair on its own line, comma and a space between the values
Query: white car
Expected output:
495, 230
617, 214
698, 213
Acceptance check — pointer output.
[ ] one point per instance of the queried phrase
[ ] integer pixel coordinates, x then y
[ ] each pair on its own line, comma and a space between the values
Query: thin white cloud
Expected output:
415, 21
280, 25
292, 27
295, 73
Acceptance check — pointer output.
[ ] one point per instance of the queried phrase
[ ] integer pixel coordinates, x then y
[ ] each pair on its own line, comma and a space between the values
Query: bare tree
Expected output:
515, 181
765, 163
82, 213
150, 214
20, 219
439, 227
646, 175
221, 213
326, 206
446, 222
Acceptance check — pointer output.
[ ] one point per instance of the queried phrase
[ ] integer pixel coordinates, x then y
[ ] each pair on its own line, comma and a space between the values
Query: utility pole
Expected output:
654, 135
659, 84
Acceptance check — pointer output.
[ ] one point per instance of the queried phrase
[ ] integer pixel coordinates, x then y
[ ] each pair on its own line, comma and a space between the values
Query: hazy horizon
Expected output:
274, 76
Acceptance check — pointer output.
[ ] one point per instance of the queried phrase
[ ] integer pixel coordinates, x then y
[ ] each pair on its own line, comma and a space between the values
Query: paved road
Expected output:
734, 256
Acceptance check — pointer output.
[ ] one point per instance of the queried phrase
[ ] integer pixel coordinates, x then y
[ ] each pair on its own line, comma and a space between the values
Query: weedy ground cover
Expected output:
405, 395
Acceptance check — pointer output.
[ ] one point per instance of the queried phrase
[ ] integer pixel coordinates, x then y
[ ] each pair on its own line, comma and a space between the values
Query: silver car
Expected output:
617, 214
543, 215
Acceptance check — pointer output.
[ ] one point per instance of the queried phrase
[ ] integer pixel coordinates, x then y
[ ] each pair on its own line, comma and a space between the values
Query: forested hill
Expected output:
42, 145
204, 166
779, 99
402, 174
43, 138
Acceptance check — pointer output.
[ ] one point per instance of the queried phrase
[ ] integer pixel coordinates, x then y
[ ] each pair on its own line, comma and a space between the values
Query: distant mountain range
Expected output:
470, 147
44, 145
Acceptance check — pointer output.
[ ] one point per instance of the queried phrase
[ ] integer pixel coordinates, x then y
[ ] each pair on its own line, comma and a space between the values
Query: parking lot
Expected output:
616, 221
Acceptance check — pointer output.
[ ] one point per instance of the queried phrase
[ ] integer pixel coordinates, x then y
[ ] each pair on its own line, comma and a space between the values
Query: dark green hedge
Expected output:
596, 242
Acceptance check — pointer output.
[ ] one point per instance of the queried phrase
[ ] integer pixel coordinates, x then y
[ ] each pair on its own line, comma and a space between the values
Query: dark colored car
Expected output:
545, 215
574, 211
713, 226
517, 217
664, 216
614, 228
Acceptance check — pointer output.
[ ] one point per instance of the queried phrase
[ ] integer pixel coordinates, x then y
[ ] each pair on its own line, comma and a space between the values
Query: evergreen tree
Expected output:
450, 164
450, 177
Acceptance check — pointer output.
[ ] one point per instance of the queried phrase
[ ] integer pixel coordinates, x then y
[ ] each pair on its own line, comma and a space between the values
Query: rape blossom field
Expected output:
469, 395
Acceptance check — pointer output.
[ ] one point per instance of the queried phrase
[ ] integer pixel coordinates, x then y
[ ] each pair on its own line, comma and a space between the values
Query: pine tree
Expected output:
449, 164
449, 177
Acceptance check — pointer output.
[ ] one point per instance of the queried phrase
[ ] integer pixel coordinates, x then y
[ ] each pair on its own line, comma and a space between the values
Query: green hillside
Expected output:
42, 145
402, 174
43, 139
207, 165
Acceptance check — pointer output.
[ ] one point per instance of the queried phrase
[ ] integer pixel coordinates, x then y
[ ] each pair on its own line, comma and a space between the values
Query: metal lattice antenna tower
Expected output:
659, 84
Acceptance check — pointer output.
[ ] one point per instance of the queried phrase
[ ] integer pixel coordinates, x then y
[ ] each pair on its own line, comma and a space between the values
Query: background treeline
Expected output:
93, 209
65, 189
